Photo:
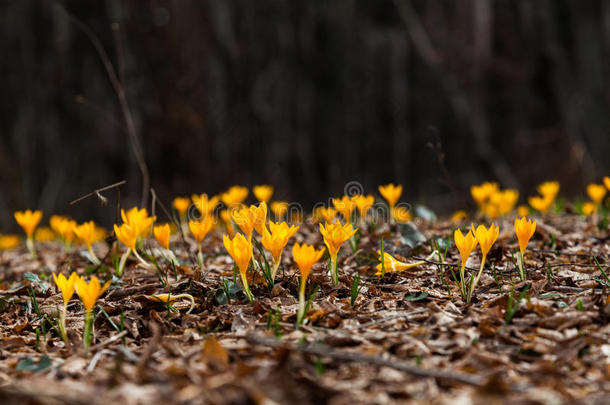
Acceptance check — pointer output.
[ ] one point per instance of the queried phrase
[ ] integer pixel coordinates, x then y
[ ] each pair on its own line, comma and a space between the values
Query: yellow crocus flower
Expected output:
182, 204
275, 240
138, 220
241, 251
541, 204
86, 233
596, 193
9, 241
162, 234
29, 220
607, 182
234, 196
205, 205
363, 204
243, 219
390, 264
279, 209
305, 257
89, 294
588, 208
67, 287
334, 236
345, 206
259, 217
465, 245
524, 229
549, 189
401, 214
458, 216
391, 193
323, 213
523, 211
263, 192
486, 238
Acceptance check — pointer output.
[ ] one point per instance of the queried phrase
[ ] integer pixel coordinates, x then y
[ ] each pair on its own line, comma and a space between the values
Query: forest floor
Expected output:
408, 337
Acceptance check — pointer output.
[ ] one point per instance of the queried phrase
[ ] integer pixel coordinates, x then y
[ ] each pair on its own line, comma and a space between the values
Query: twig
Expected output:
97, 193
122, 98
324, 351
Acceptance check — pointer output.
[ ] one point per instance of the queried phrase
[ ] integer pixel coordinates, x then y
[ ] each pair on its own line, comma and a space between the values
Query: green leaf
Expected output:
410, 235
425, 213
28, 364
220, 294
413, 297
32, 277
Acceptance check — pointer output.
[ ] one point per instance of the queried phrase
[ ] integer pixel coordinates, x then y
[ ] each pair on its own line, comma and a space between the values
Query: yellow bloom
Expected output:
66, 285
465, 244
64, 227
226, 218
508, 200
9, 241
235, 195
277, 237
162, 233
486, 237
200, 229
607, 182
524, 229
363, 204
335, 235
596, 193
138, 220
390, 263
44, 234
28, 220
89, 293
305, 256
588, 208
205, 205
481, 193
279, 209
259, 216
549, 189
401, 214
127, 235
458, 216
263, 192
86, 232
541, 204
182, 204
345, 206
243, 219
328, 214
241, 251
523, 211
391, 193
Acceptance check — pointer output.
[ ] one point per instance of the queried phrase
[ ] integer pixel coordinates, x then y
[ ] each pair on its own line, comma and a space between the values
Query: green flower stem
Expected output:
88, 333
62, 323
94, 257
244, 281
476, 280
29, 243
333, 269
199, 256
275, 267
122, 262
521, 266
462, 281
143, 262
301, 311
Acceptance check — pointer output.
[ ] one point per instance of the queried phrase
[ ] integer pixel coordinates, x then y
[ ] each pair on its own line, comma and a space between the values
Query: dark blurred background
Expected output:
304, 95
